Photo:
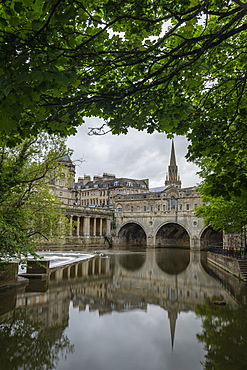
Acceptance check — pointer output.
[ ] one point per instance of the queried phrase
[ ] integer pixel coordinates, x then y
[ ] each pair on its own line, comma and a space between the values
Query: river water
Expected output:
127, 309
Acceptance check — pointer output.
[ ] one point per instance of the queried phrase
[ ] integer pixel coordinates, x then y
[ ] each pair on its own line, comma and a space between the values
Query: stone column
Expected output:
100, 227
78, 226
86, 226
108, 228
94, 227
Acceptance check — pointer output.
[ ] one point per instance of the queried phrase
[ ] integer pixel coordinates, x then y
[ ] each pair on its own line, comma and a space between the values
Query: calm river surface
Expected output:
127, 310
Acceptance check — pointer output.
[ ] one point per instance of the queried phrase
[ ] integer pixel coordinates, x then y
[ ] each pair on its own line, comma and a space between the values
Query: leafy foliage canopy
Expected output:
177, 67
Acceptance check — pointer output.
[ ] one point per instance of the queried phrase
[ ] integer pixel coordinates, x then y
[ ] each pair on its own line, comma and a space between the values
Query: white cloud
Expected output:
135, 155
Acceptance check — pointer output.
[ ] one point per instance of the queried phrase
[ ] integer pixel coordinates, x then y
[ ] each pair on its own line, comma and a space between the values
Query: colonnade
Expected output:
89, 225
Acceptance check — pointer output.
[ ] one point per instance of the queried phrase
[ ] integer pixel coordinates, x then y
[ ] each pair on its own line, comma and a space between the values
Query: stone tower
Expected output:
172, 178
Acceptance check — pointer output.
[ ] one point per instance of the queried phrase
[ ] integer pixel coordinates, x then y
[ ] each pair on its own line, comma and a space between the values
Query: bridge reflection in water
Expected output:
175, 280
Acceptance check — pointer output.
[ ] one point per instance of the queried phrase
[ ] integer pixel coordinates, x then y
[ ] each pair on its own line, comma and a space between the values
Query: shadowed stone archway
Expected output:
172, 235
210, 236
132, 234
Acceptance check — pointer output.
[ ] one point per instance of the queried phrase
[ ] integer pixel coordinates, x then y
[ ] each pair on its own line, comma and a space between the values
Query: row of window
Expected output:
164, 208
112, 192
93, 202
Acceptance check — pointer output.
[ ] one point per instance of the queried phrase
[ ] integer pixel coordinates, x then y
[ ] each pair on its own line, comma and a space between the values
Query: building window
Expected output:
164, 207
131, 208
187, 207
168, 205
119, 208
172, 203
144, 208
158, 208
151, 208
180, 207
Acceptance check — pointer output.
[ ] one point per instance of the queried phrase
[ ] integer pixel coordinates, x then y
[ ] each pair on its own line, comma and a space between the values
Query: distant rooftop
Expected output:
158, 189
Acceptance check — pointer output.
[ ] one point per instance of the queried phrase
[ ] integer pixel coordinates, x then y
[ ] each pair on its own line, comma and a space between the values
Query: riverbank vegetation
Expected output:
30, 212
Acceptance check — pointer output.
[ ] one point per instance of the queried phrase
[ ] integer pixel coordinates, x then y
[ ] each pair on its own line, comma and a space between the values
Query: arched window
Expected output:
119, 208
172, 203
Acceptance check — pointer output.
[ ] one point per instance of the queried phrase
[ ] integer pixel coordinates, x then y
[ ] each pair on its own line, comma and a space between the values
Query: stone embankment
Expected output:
234, 266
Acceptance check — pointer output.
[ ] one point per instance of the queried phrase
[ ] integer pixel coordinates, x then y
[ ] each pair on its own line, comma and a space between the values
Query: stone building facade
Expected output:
126, 212
63, 183
89, 226
101, 191
163, 217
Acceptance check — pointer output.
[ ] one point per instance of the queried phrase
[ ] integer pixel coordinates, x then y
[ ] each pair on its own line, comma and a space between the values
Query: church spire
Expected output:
172, 318
173, 158
173, 177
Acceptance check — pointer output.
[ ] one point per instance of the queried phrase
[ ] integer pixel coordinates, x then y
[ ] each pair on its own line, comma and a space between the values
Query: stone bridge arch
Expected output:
172, 234
132, 233
210, 236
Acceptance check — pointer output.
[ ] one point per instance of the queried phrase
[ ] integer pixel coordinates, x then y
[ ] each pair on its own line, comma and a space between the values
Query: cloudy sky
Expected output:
137, 155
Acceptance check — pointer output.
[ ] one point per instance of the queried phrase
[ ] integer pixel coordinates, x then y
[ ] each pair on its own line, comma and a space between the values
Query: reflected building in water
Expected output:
125, 282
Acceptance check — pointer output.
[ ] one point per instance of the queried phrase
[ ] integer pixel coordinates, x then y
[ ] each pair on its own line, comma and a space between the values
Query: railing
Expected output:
238, 253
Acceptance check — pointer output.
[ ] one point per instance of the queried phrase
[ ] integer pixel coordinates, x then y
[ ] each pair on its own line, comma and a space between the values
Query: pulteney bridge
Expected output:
162, 219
